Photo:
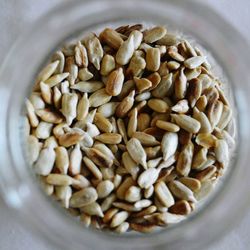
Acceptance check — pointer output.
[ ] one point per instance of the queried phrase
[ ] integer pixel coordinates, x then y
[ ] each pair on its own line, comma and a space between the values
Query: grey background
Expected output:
15, 15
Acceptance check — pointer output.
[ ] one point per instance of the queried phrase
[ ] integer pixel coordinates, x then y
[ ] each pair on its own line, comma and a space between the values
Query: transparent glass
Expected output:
17, 185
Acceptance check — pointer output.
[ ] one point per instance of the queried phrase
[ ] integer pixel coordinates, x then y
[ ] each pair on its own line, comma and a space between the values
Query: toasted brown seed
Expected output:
99, 158
109, 138
132, 123
206, 174
154, 34
191, 183
120, 192
206, 140
142, 84
115, 82
137, 152
85, 219
62, 159
194, 91
181, 207
168, 126
187, 123
95, 51
109, 214
125, 105
148, 177
169, 144
181, 191
143, 121
153, 59
70, 138
180, 85
102, 123
147, 228
184, 161
130, 165
107, 151
104, 188
111, 37
99, 98
163, 194
173, 65
201, 103
81, 56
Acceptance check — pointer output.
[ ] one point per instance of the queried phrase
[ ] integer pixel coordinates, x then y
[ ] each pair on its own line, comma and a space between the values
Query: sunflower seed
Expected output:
132, 123
137, 152
153, 59
148, 178
125, 105
95, 51
59, 180
133, 194
130, 165
191, 183
221, 152
169, 144
181, 191
187, 123
93, 209
99, 98
62, 159
163, 194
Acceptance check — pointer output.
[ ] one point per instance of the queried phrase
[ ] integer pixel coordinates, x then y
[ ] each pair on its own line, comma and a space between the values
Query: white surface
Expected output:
14, 16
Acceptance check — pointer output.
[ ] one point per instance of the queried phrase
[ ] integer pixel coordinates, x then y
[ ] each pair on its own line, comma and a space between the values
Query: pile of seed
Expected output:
128, 129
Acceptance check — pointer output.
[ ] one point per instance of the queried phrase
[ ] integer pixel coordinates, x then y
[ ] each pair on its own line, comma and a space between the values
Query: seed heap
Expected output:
128, 129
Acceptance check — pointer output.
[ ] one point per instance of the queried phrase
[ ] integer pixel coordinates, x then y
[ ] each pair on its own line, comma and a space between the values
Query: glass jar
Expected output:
19, 187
